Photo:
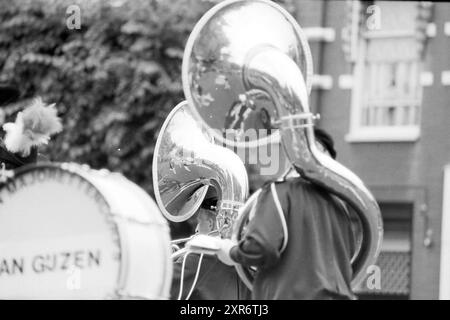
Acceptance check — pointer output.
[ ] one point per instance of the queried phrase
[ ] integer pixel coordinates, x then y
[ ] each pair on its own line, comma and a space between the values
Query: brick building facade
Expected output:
382, 86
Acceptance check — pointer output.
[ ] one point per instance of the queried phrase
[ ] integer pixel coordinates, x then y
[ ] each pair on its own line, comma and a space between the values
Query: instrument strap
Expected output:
276, 200
197, 273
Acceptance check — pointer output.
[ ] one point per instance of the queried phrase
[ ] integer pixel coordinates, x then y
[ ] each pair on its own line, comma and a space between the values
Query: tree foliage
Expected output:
113, 81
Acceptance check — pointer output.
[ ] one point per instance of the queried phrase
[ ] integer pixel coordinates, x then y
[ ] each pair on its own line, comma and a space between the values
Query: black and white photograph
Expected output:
236, 152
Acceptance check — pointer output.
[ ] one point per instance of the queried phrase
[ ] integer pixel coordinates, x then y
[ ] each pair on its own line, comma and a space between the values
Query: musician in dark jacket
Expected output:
206, 277
300, 240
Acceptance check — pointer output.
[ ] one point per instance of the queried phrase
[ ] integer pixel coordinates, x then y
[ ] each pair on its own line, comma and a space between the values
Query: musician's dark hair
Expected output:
210, 201
326, 140
209, 204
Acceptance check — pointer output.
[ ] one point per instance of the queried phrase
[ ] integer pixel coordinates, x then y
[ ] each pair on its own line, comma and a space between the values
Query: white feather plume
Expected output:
33, 127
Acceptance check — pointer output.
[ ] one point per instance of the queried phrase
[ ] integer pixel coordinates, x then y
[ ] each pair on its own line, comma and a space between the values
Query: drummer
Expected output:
204, 277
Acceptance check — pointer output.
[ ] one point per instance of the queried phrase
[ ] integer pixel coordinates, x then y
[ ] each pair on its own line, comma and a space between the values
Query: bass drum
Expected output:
70, 232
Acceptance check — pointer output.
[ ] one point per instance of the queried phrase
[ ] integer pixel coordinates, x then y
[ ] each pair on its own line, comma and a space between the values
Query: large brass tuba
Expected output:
242, 50
187, 164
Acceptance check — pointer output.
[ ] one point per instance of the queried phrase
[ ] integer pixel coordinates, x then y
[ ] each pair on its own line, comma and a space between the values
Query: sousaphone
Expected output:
188, 165
247, 57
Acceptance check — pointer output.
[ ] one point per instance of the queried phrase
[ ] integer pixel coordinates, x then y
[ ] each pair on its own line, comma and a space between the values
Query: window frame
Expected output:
358, 132
421, 226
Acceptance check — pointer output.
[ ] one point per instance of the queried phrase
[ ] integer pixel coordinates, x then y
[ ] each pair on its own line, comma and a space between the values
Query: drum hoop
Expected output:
117, 230
119, 219
119, 222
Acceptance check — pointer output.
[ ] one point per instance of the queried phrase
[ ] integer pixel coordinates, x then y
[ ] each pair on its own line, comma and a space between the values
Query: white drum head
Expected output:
58, 239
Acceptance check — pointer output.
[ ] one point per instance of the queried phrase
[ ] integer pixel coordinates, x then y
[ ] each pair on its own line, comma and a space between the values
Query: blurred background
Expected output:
381, 84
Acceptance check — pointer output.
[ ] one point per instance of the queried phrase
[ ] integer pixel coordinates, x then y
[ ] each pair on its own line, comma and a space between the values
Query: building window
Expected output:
392, 94
387, 95
395, 257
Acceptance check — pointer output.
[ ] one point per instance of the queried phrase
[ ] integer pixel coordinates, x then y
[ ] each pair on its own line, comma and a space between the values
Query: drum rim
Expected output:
118, 230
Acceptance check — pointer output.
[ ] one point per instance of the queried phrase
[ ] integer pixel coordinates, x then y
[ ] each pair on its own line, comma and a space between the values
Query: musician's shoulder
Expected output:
292, 182
290, 186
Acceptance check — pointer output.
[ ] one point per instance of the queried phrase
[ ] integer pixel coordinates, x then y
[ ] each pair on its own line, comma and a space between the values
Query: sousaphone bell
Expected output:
187, 165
